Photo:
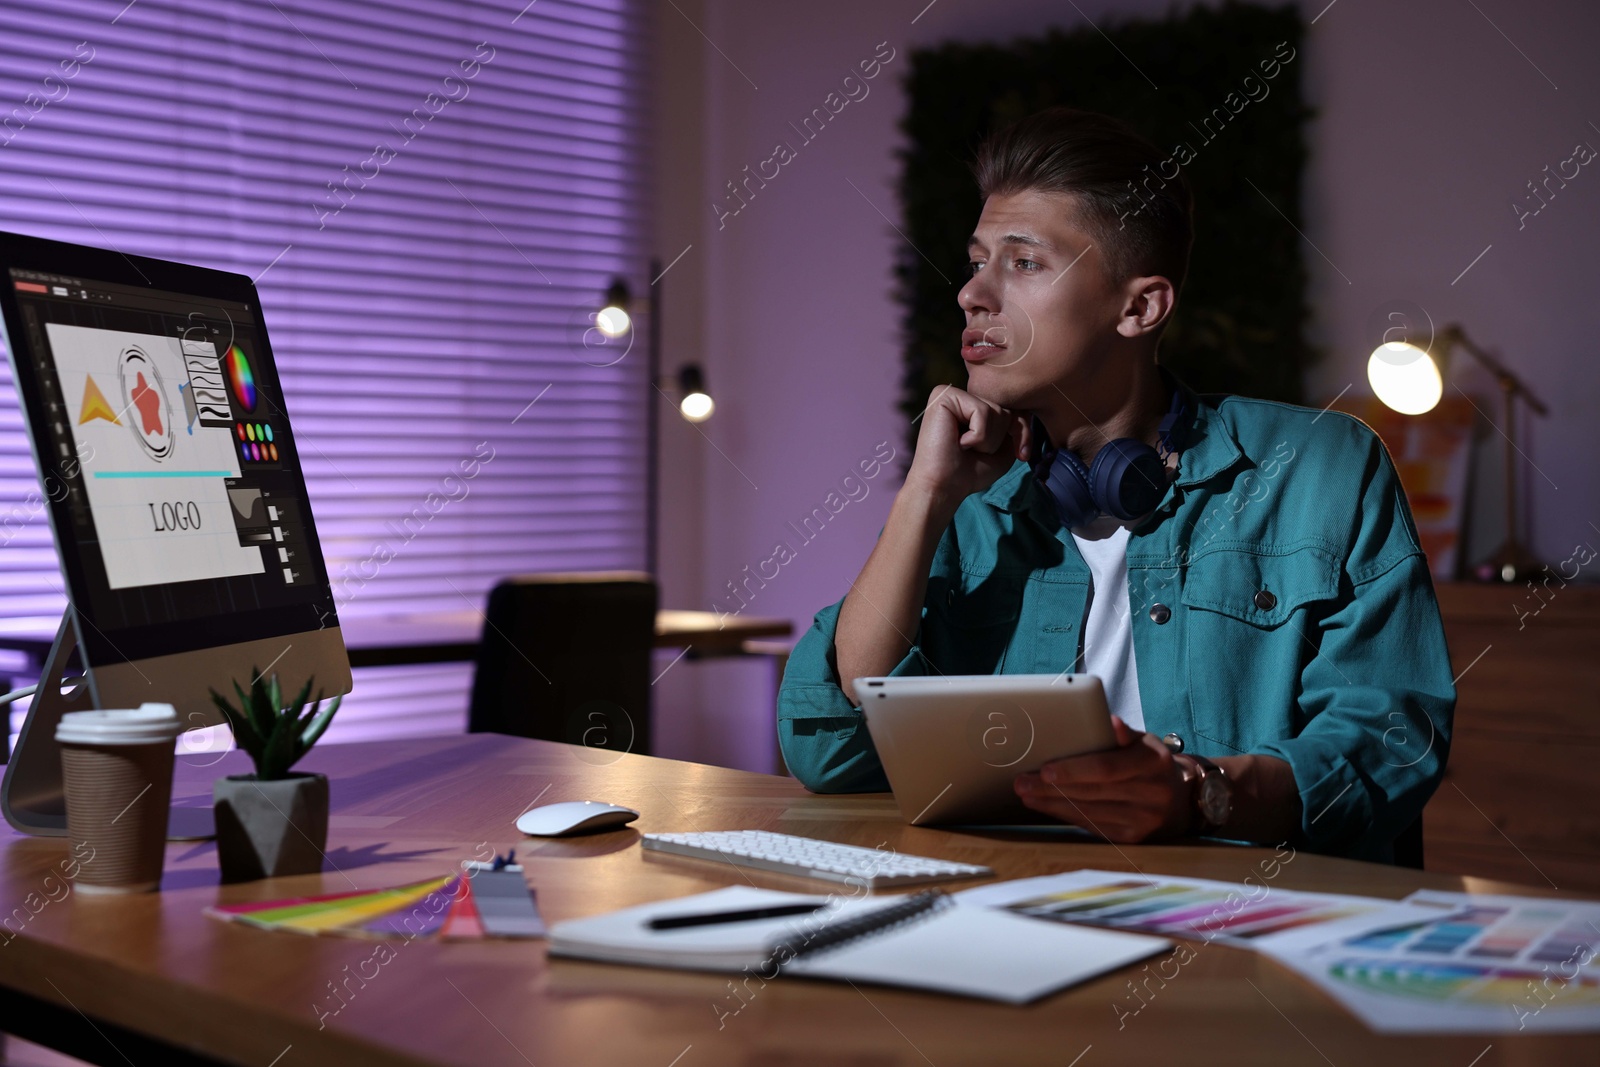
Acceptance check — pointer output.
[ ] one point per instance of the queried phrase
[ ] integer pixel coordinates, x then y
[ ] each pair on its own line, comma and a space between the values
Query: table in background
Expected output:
452, 636
153, 968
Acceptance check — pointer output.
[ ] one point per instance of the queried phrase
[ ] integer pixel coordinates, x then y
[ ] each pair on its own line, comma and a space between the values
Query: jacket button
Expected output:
1173, 742
1265, 600
1160, 613
949, 598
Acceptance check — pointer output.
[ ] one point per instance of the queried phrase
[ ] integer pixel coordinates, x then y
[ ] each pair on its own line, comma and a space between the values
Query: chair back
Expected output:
566, 657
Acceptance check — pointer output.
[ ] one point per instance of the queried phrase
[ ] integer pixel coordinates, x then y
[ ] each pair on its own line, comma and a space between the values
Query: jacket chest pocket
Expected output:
972, 620
1249, 614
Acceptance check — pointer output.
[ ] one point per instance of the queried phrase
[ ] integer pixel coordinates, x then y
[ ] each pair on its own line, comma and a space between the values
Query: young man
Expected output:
1263, 618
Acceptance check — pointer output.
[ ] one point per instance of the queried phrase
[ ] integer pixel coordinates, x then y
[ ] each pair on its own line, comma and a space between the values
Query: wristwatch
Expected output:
1214, 796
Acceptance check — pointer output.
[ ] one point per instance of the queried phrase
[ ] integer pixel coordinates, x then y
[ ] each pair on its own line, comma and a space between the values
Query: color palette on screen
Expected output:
241, 378
257, 452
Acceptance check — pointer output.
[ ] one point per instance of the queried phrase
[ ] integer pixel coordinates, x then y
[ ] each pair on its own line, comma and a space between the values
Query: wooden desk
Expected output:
403, 810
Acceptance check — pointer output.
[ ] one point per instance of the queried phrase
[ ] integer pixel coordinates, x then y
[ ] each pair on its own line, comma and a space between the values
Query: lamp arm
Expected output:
1508, 379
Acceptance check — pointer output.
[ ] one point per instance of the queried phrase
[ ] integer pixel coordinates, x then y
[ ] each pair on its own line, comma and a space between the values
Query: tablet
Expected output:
951, 745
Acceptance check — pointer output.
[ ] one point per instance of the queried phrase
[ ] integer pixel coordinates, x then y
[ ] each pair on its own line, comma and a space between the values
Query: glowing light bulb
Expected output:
1405, 377
697, 407
612, 321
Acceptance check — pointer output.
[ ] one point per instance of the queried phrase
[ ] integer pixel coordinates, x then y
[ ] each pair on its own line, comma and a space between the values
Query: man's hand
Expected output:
1128, 794
964, 446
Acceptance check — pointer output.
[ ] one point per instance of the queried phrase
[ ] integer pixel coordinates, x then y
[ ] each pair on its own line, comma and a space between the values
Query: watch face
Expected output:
1216, 800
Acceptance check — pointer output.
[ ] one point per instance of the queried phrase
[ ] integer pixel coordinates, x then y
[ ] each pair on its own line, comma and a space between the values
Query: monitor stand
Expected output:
32, 796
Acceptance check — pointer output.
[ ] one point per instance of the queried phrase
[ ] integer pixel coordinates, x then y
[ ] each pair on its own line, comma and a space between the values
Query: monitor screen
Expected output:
167, 456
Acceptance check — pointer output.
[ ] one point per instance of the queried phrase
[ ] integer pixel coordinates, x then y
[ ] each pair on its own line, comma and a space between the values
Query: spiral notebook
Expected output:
924, 941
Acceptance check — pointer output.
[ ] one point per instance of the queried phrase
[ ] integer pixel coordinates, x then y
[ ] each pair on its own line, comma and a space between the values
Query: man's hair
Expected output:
1139, 219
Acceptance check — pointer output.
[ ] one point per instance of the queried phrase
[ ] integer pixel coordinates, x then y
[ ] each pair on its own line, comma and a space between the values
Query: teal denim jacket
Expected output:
1280, 605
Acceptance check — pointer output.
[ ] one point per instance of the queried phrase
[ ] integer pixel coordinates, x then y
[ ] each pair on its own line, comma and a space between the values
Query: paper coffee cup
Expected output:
117, 771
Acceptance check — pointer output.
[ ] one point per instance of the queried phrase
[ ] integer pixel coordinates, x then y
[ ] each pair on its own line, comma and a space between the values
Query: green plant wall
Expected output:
1199, 79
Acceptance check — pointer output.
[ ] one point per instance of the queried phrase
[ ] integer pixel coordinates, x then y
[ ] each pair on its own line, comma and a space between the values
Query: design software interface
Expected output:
169, 446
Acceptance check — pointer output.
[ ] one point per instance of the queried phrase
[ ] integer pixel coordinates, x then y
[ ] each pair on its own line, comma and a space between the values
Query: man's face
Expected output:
1041, 311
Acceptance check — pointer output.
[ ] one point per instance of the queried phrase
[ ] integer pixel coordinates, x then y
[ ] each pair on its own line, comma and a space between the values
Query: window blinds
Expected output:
433, 197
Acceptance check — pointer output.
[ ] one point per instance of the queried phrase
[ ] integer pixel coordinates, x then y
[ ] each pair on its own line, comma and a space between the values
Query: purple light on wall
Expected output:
432, 196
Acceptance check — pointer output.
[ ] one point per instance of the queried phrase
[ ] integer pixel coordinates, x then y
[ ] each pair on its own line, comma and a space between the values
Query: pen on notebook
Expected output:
673, 922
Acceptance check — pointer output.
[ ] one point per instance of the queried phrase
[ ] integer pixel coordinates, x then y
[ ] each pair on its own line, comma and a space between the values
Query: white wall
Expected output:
1429, 121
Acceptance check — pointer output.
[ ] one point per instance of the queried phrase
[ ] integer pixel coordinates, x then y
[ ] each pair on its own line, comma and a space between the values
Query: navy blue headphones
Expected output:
1126, 480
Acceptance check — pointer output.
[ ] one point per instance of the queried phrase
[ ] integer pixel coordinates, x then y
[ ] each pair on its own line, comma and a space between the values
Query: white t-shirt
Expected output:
1108, 632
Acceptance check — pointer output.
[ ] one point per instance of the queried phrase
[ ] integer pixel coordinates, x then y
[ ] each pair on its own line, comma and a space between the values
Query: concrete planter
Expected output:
273, 828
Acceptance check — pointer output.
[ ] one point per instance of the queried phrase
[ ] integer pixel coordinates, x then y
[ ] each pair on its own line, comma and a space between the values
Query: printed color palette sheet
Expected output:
1489, 964
1255, 915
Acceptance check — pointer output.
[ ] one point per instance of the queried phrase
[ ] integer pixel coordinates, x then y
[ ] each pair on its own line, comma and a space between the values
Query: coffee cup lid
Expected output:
143, 725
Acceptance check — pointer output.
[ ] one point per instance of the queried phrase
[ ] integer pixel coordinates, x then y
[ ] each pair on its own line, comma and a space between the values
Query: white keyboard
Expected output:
810, 858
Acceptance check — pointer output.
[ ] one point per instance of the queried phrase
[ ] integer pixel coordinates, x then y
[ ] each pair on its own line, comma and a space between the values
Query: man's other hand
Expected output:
1128, 794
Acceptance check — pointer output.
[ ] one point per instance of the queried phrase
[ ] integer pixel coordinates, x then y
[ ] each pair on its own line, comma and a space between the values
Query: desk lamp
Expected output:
1405, 376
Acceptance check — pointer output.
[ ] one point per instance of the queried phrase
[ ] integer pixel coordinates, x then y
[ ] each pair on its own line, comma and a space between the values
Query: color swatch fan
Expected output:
446, 907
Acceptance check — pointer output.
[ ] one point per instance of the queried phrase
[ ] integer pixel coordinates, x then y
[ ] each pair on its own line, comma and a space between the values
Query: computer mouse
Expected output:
573, 817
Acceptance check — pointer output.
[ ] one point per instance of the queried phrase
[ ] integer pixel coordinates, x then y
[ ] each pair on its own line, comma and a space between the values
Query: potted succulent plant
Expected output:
272, 822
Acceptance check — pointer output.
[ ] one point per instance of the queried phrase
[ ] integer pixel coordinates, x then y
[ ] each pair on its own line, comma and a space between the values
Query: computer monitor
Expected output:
174, 490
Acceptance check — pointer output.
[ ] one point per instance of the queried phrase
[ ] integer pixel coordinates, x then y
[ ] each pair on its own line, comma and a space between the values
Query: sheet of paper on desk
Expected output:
1251, 915
1493, 964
